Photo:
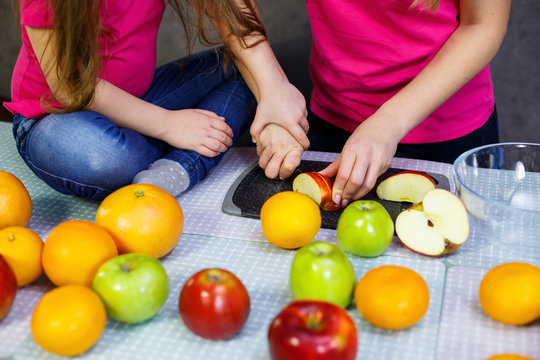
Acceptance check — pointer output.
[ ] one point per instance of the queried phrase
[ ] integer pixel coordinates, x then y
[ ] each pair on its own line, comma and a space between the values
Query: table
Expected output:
454, 327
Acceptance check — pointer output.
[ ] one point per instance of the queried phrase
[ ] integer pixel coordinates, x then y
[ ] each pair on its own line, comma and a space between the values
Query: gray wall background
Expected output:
515, 69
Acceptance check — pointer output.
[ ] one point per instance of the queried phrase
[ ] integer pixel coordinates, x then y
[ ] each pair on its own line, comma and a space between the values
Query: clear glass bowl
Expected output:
500, 187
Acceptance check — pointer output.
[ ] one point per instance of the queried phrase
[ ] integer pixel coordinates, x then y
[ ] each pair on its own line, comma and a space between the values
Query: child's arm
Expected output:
369, 150
194, 129
279, 102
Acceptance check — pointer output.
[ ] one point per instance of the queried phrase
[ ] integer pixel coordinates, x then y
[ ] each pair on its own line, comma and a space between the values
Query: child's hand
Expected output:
200, 130
366, 155
279, 152
286, 107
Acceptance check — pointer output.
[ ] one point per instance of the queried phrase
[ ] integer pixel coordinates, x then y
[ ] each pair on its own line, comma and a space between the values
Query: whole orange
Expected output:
510, 293
21, 248
75, 250
68, 320
142, 219
290, 219
509, 357
15, 201
392, 297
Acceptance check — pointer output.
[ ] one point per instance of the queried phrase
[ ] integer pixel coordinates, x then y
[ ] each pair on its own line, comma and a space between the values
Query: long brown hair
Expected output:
431, 4
79, 35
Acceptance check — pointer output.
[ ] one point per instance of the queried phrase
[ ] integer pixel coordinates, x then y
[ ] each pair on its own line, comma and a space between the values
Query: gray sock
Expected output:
167, 174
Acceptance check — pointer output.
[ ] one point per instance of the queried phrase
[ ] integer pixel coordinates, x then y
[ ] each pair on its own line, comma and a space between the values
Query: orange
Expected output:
15, 202
392, 297
74, 251
21, 248
510, 293
142, 219
509, 357
290, 219
68, 320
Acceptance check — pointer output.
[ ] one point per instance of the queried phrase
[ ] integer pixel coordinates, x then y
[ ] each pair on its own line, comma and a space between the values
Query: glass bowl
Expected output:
500, 187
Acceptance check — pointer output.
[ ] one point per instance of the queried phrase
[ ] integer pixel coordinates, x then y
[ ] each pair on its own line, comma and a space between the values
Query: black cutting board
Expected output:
252, 188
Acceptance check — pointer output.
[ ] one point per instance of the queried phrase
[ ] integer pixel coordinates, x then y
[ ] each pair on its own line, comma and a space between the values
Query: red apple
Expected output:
311, 329
408, 186
318, 187
8, 287
214, 304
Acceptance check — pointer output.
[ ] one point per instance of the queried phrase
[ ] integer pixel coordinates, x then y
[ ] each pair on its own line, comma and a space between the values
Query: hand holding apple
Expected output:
322, 271
214, 304
133, 287
310, 329
8, 287
365, 228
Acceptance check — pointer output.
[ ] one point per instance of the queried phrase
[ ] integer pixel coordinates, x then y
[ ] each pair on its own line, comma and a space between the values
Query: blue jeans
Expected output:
83, 153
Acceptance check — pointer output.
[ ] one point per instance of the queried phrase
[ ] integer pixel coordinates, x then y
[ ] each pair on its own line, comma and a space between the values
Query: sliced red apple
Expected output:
316, 186
406, 186
436, 226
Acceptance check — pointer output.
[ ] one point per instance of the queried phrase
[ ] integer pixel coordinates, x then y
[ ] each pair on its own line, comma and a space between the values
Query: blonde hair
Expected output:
79, 31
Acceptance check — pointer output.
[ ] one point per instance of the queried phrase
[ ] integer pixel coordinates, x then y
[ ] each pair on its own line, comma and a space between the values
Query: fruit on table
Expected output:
21, 248
509, 357
290, 219
318, 187
311, 329
408, 186
133, 287
322, 271
15, 201
68, 320
365, 228
214, 304
510, 293
74, 251
143, 219
436, 226
392, 297
8, 287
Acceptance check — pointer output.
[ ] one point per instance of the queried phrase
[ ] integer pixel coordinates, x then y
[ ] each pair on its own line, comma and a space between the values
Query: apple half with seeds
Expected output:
436, 226
408, 186
318, 187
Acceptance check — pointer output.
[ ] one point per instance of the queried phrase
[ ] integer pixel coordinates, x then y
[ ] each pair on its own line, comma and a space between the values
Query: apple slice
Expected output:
436, 226
406, 186
318, 187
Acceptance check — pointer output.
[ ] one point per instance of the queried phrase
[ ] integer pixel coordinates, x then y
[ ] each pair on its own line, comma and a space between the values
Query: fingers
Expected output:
290, 163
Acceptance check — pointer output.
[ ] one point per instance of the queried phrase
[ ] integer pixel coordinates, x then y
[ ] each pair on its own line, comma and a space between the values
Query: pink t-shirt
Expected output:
365, 51
129, 63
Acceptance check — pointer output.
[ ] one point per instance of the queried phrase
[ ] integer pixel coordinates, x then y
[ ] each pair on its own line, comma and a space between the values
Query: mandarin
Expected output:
75, 250
392, 297
68, 320
22, 249
15, 201
510, 293
290, 219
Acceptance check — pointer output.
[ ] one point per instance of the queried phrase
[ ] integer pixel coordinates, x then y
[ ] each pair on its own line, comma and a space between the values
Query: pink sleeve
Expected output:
36, 13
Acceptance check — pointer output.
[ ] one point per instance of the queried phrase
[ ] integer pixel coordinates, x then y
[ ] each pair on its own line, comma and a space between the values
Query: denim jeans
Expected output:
84, 153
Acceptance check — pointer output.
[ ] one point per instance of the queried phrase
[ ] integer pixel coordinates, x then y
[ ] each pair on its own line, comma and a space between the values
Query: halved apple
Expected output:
318, 187
436, 226
406, 186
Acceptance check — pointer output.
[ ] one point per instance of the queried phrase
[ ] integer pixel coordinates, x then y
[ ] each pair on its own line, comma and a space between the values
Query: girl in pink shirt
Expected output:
92, 113
400, 75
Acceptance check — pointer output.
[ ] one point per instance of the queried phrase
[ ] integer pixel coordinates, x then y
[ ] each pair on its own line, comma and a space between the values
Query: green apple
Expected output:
365, 228
322, 271
133, 287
